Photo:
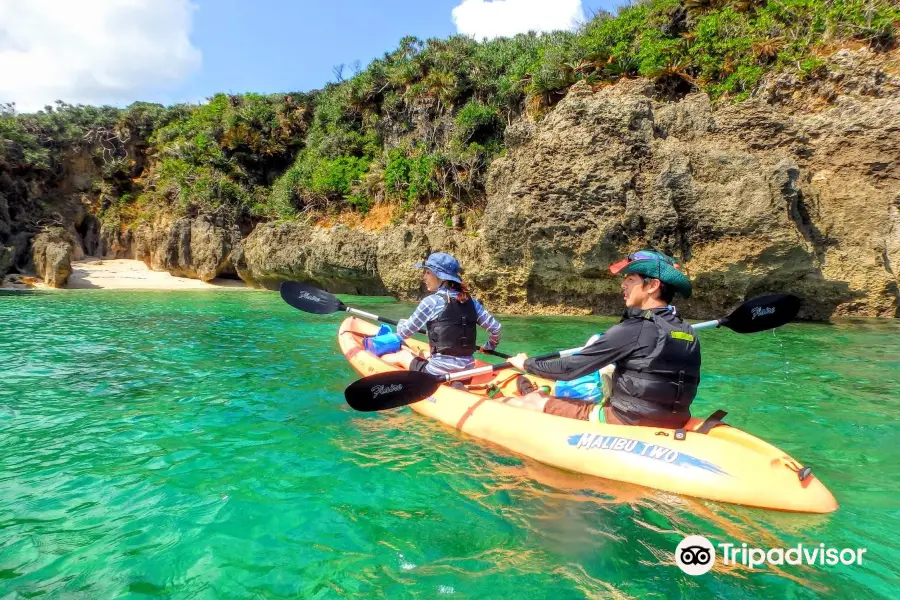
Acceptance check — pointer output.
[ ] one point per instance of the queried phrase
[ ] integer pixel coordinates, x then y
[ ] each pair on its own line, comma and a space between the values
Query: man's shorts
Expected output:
569, 408
581, 410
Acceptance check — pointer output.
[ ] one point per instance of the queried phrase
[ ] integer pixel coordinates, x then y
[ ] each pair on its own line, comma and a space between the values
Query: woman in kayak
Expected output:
450, 316
656, 354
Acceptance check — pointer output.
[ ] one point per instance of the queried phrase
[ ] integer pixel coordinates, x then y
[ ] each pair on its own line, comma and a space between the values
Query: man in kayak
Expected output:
450, 316
656, 354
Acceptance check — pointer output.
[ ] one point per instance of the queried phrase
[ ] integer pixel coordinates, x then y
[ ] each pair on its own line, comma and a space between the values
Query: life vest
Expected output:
453, 332
660, 386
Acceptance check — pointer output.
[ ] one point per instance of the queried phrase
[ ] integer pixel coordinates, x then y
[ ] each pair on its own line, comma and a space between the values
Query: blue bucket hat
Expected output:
444, 266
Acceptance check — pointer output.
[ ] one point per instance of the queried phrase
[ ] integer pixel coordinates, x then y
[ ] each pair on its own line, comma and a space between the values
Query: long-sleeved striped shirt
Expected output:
430, 309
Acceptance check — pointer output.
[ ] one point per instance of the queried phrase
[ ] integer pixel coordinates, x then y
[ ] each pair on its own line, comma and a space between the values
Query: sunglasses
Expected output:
616, 267
642, 255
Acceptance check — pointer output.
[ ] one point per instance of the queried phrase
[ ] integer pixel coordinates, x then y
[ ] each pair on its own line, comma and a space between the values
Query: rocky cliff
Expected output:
755, 197
796, 189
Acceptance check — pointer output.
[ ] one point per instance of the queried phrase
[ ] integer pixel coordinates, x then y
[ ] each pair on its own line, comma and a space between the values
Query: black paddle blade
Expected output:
765, 312
309, 298
390, 390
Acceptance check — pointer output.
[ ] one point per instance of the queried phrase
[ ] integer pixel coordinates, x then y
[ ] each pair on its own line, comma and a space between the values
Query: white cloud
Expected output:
92, 51
498, 18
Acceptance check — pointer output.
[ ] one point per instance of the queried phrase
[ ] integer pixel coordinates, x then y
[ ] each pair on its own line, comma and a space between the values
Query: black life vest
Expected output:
453, 332
659, 387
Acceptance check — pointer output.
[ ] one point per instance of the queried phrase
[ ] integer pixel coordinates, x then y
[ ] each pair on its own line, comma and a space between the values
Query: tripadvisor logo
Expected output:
696, 555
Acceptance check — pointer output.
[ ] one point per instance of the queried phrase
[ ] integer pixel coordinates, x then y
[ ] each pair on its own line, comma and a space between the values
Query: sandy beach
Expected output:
125, 274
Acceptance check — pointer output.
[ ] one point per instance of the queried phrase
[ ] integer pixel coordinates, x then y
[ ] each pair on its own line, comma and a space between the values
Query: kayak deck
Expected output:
725, 464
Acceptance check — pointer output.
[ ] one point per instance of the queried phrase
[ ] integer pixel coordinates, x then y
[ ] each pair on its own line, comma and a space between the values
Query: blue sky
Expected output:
283, 46
274, 46
119, 51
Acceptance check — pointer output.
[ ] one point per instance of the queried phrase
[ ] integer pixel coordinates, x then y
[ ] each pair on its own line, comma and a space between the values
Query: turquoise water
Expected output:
196, 445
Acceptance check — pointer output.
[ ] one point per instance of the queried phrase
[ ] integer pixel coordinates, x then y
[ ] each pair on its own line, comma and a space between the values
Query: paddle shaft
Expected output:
561, 354
504, 365
569, 352
708, 324
368, 315
758, 314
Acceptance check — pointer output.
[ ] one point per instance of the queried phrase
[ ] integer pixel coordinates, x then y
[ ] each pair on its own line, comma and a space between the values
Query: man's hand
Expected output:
518, 361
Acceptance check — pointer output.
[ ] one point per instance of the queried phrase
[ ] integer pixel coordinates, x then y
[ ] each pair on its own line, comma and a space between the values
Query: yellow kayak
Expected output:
710, 460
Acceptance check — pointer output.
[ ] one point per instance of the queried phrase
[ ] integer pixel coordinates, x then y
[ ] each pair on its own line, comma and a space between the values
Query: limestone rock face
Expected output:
114, 242
5, 225
754, 198
53, 253
198, 248
340, 259
6, 260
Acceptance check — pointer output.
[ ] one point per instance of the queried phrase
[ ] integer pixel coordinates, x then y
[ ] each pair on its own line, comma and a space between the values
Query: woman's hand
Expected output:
518, 361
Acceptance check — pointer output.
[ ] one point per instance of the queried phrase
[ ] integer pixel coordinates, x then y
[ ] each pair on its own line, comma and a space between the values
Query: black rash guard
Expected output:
631, 337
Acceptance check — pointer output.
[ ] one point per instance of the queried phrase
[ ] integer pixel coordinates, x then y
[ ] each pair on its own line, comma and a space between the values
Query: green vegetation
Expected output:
30, 142
423, 123
227, 152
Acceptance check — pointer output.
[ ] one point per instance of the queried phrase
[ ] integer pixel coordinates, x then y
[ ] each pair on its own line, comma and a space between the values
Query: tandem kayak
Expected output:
707, 459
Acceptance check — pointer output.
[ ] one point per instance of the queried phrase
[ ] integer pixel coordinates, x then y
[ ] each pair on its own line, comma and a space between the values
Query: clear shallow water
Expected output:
196, 445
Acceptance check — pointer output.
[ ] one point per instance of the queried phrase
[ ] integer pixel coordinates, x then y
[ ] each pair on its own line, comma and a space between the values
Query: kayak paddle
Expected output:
311, 299
393, 389
758, 314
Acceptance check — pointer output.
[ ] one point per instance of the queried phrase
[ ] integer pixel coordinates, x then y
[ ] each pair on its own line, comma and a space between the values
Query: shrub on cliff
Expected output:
20, 147
226, 152
36, 141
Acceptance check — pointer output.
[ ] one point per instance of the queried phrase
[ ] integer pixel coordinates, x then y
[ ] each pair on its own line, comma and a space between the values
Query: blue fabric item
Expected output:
384, 342
588, 387
444, 266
